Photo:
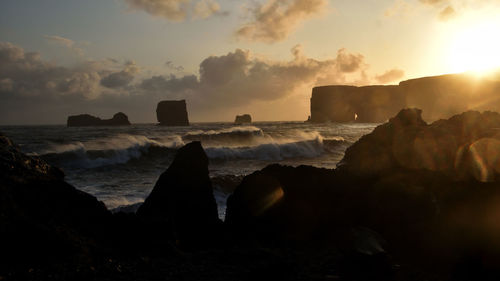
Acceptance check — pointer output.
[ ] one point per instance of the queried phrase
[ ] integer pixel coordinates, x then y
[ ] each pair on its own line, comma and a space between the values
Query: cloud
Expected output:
26, 74
447, 13
170, 65
347, 62
121, 78
446, 9
206, 8
275, 20
68, 43
390, 76
47, 93
239, 78
177, 10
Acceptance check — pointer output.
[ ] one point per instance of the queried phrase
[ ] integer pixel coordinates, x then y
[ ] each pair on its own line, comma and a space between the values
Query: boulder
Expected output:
465, 146
183, 199
243, 119
172, 113
41, 216
86, 120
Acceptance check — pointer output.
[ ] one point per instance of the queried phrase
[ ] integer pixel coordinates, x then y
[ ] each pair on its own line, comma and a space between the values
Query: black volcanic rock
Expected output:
172, 113
85, 120
243, 119
423, 193
42, 217
466, 145
183, 198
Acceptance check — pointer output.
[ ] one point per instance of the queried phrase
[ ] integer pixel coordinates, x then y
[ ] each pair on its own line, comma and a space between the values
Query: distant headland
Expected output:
438, 96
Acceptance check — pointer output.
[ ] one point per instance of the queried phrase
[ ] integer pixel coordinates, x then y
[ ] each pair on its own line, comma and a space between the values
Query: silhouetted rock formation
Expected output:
172, 113
86, 120
243, 119
350, 103
183, 198
466, 145
438, 97
421, 192
41, 216
410, 201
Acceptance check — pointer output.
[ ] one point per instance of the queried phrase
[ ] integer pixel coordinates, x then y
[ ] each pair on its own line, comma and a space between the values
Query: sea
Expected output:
120, 165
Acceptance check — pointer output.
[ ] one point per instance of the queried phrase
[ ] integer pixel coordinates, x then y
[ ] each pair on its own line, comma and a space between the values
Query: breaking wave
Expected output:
104, 152
269, 151
226, 144
241, 135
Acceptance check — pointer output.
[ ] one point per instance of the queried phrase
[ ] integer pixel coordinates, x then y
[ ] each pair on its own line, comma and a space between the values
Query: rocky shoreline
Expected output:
409, 201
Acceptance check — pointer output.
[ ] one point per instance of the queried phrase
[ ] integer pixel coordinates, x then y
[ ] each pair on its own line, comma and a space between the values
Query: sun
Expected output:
476, 47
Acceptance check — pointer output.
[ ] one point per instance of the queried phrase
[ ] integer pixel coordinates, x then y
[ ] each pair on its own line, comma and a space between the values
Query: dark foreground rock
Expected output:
391, 211
172, 113
43, 218
183, 198
422, 194
86, 120
463, 147
243, 119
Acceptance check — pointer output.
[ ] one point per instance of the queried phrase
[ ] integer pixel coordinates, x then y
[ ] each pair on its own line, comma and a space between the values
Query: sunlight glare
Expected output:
476, 47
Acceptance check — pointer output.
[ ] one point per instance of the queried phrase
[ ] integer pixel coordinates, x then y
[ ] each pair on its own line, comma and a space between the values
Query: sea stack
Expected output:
87, 120
243, 119
172, 113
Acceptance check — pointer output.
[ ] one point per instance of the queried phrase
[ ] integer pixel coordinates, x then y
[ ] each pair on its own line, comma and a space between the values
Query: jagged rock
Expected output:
429, 191
172, 113
439, 97
466, 145
85, 120
183, 198
243, 119
41, 216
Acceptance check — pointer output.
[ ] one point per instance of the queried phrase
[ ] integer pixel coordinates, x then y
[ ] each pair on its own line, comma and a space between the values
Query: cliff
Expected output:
243, 119
85, 120
172, 113
439, 97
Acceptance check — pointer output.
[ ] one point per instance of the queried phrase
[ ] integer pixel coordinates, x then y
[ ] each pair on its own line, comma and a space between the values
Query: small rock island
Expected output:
87, 120
172, 113
243, 119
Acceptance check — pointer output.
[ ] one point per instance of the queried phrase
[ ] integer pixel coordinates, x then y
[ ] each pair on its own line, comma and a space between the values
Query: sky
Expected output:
225, 57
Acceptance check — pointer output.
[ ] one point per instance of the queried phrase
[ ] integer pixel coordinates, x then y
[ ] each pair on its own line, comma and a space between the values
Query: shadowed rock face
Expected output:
438, 97
355, 104
431, 191
85, 120
42, 216
465, 146
243, 119
172, 113
183, 198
